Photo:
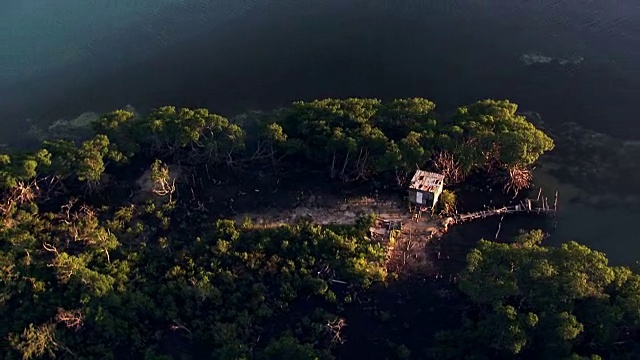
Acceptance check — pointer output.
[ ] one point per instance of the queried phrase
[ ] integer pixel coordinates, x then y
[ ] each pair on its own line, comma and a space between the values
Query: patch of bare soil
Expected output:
327, 209
413, 250
411, 242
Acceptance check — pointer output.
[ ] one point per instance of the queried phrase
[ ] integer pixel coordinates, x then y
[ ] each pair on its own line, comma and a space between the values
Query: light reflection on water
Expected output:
451, 51
43, 34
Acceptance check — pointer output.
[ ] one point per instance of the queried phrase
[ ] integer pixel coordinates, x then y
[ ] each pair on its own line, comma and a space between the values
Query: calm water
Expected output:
59, 58
63, 57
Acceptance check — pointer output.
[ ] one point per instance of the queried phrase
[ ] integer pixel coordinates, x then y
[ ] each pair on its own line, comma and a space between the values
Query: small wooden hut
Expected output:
425, 188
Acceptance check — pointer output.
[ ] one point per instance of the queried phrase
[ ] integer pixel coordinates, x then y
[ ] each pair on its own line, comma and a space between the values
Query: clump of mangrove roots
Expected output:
19, 194
72, 319
517, 178
446, 165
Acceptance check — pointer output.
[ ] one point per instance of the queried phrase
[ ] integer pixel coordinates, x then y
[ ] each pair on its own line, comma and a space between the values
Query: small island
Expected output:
314, 231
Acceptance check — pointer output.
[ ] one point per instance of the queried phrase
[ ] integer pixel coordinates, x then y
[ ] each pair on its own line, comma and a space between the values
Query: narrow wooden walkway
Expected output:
525, 207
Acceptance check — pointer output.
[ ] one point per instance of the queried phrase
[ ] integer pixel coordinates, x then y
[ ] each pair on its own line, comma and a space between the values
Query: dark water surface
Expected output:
65, 57
60, 58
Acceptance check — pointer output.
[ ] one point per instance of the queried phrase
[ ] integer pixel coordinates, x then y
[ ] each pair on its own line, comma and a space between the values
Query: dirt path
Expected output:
327, 210
409, 250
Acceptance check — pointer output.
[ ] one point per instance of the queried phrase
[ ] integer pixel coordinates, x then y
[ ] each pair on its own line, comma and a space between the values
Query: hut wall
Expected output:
412, 196
427, 197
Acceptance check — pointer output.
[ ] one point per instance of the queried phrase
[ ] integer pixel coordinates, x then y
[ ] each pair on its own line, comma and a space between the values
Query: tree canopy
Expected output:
534, 301
121, 242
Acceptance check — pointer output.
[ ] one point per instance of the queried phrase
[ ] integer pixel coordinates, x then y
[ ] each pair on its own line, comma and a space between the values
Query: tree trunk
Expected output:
333, 165
344, 166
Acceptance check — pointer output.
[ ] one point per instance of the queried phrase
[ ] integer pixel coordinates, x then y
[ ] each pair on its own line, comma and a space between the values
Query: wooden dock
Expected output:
524, 207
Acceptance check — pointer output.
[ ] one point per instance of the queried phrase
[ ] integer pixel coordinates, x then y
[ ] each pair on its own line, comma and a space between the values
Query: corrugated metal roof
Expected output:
426, 181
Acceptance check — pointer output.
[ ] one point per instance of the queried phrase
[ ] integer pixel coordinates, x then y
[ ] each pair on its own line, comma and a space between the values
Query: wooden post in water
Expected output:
555, 203
499, 227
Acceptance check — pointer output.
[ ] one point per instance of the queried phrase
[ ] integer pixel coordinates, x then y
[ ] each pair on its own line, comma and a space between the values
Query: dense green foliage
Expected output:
108, 245
357, 138
82, 292
353, 139
541, 302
